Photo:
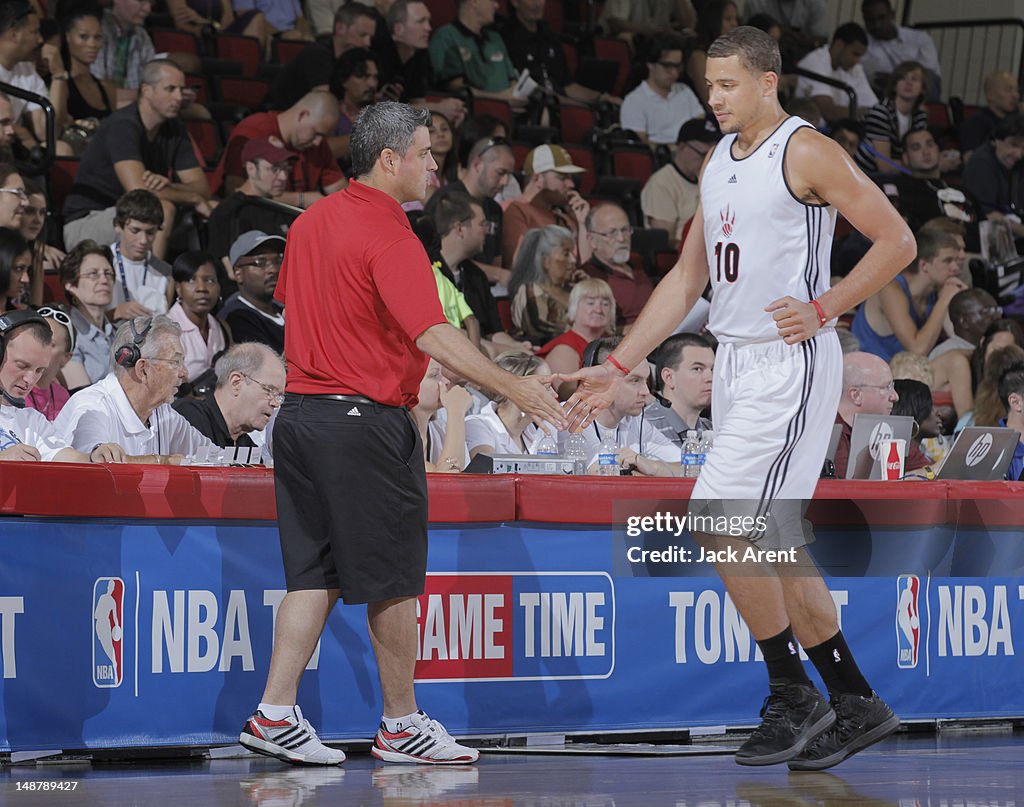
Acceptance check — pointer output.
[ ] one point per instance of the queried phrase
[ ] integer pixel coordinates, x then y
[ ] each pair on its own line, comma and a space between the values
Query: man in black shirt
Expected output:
268, 164
141, 146
250, 387
252, 313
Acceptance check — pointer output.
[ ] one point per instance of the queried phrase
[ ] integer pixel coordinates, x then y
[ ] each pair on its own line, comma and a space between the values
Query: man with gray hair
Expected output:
250, 388
363, 311
131, 406
145, 146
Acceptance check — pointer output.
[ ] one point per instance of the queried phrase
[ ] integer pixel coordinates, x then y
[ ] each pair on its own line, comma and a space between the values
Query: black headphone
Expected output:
8, 322
127, 356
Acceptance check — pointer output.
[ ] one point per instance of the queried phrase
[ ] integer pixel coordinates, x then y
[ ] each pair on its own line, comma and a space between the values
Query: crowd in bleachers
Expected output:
569, 139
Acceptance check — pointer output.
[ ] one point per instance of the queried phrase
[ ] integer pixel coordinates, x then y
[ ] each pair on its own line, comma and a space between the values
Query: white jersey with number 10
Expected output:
762, 242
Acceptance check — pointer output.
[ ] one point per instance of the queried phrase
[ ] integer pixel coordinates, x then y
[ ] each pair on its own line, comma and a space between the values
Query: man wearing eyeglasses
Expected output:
669, 198
252, 313
868, 389
250, 388
610, 236
268, 164
131, 405
661, 103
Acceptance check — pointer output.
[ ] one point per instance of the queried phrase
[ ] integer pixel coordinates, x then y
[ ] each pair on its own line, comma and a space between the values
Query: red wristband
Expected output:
613, 363
822, 319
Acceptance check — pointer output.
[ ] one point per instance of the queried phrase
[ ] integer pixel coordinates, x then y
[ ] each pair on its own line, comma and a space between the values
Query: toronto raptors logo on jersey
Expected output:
728, 219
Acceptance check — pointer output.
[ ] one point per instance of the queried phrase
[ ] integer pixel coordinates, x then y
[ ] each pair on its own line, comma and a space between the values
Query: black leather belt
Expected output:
357, 399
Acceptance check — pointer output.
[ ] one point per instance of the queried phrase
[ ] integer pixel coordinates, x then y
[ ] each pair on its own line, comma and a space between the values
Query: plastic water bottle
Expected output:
546, 446
576, 450
608, 457
691, 455
706, 440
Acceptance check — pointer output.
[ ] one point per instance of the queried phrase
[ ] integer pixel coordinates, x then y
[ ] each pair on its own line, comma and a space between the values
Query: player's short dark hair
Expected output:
1011, 381
141, 205
851, 33
384, 125
757, 51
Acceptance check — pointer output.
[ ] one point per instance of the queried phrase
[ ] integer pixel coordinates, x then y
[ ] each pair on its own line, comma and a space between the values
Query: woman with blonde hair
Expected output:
502, 427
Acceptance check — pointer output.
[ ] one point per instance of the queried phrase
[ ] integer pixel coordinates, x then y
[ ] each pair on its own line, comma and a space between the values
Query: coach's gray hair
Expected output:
758, 51
537, 244
153, 70
246, 358
159, 328
385, 125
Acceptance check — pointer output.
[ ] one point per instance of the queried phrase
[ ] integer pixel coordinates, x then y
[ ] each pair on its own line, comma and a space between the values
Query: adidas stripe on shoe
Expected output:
423, 741
290, 740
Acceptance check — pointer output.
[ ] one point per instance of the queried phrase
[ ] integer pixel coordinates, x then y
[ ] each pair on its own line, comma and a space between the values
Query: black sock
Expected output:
839, 671
783, 659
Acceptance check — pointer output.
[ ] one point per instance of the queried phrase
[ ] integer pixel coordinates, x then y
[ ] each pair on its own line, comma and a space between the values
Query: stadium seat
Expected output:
201, 87
572, 58
168, 41
617, 51
494, 106
578, 123
287, 50
636, 162
246, 92
584, 158
442, 12
244, 49
62, 177
206, 136
505, 313
938, 114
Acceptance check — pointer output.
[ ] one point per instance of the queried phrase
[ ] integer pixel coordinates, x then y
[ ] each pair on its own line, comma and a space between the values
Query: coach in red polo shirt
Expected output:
363, 316
304, 129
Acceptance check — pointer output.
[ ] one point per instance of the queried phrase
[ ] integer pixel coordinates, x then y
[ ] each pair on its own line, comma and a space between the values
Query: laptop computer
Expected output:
980, 454
867, 431
833, 442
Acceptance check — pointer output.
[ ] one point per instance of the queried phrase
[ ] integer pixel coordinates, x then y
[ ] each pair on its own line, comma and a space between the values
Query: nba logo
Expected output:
908, 623
108, 632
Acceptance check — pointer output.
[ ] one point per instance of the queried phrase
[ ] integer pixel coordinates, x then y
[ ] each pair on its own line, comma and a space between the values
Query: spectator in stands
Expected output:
268, 164
7, 133
19, 43
804, 24
626, 18
406, 73
138, 147
549, 197
87, 276
890, 44
642, 447
868, 389
1011, 394
25, 434
284, 18
15, 268
440, 415
312, 69
442, 141
252, 313
661, 103
591, 314
467, 53
993, 174
989, 408
1002, 98
848, 134
924, 194
502, 427
972, 312
488, 166
49, 395
130, 406
610, 235
13, 198
45, 257
199, 17
354, 84
542, 278
88, 96
683, 368
250, 388
841, 61
533, 46
203, 336
669, 198
901, 111
303, 128
909, 312
716, 18
914, 399
143, 286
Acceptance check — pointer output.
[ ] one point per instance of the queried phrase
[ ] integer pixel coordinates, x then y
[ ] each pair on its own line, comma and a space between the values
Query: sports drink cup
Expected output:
892, 457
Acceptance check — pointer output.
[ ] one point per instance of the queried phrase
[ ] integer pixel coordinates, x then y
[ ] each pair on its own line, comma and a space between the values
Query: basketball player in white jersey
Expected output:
770, 192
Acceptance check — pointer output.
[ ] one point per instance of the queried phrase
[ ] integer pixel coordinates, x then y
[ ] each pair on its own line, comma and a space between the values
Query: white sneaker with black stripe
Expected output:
422, 741
293, 740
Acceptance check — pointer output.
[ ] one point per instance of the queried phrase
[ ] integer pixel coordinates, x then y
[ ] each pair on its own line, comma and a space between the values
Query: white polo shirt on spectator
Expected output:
633, 431
30, 427
644, 110
486, 429
820, 61
146, 281
25, 77
102, 414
